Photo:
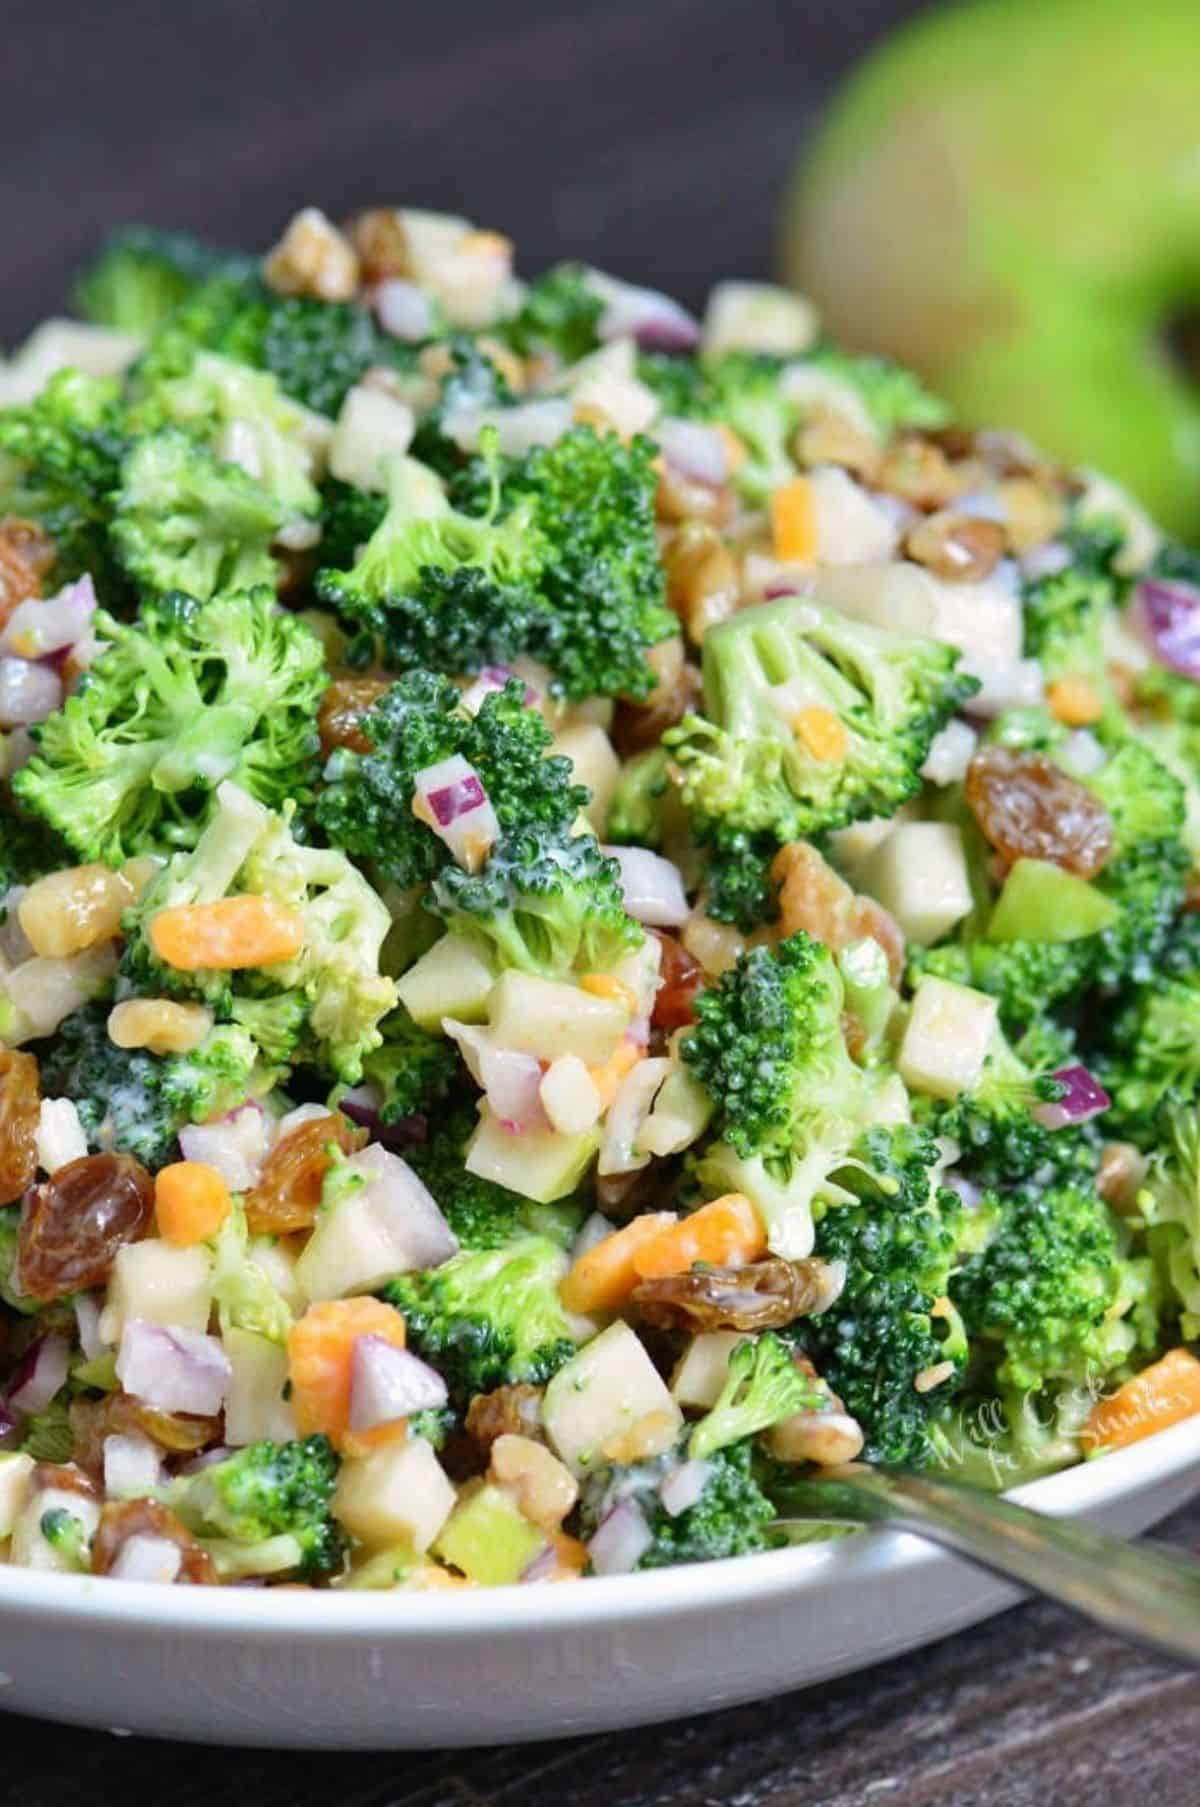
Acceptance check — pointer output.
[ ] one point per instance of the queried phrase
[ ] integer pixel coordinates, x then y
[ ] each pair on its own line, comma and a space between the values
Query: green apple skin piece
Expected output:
488, 1539
1041, 902
1007, 197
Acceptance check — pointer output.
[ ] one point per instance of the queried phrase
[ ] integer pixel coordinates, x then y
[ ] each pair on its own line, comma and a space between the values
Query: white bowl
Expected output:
403, 1671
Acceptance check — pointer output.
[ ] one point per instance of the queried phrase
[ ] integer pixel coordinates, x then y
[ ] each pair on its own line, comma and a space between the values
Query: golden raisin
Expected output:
26, 554
288, 1193
74, 1223
682, 978
123, 1519
20, 1104
760, 1296
1029, 808
342, 708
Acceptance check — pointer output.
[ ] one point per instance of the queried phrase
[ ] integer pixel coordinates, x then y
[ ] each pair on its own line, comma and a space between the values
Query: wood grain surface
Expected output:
653, 137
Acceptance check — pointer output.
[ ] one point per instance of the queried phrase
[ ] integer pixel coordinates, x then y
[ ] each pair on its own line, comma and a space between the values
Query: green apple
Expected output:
1007, 197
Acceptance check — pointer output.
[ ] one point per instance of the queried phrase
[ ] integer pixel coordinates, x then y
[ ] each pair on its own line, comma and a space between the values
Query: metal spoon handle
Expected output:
1138, 1590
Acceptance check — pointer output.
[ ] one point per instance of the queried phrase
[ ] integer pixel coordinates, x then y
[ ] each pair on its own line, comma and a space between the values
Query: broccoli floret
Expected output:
731, 1517
1151, 1054
242, 1291
47, 1436
336, 975
472, 382
738, 886
366, 806
1066, 614
1170, 1205
141, 274
591, 500
440, 588
769, 1049
489, 1318
1023, 976
436, 1424
264, 1493
412, 1069
892, 1325
744, 392
317, 349
349, 517
763, 1386
811, 720
136, 1102
644, 809
559, 313
29, 848
188, 521
243, 415
544, 901
185, 697
994, 1125
1052, 1288
60, 462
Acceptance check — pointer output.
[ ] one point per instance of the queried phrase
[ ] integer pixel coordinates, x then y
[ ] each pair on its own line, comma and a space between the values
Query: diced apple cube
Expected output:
594, 763
919, 873
255, 1408
703, 1368
371, 427
950, 1029
540, 1164
852, 529
16, 1469
451, 979
758, 316
569, 1095
546, 1018
389, 1225
159, 1284
601, 1395
398, 1494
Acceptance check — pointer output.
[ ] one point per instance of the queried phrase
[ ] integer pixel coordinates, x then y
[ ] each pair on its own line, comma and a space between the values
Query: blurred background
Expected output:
652, 136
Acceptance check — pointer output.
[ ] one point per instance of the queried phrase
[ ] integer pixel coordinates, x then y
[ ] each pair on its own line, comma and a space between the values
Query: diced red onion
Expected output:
144, 1557
652, 887
681, 1487
207, 1458
87, 1322
28, 692
966, 1189
40, 1374
404, 310
35, 629
132, 1467
15, 945
638, 1032
1167, 615
512, 1080
620, 1540
544, 1566
449, 797
490, 679
362, 1103
654, 320
404, 1212
172, 1369
1083, 1099
236, 1146
1046, 561
694, 450
387, 1383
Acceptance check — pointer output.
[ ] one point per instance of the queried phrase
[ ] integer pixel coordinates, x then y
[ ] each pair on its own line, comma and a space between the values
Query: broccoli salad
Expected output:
599, 911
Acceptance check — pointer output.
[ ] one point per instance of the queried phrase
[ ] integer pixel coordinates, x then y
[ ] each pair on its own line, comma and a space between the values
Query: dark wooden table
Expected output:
654, 137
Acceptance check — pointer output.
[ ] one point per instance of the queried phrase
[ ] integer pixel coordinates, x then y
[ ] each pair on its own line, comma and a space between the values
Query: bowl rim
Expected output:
280, 1613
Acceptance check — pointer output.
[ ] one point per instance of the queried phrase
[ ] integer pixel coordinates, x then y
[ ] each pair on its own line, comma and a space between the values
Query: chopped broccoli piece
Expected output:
894, 397
60, 462
265, 1492
335, 975
1052, 1288
366, 806
440, 588
559, 313
642, 795
876, 700
731, 1518
185, 520
187, 696
763, 1386
993, 1124
489, 1318
141, 274
412, 1069
29, 848
738, 886
349, 517
47, 1435
1151, 1052
545, 901
1066, 614
65, 1534
891, 1324
10, 1223
1170, 1204
242, 1292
